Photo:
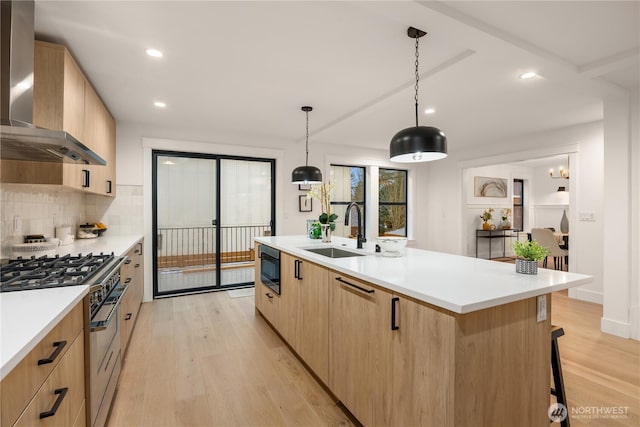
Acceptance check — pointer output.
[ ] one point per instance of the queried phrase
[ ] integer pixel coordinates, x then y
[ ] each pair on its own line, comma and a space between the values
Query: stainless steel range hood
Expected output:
20, 139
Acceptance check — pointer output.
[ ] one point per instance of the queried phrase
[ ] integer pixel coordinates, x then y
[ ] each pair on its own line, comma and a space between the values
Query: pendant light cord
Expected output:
417, 80
306, 162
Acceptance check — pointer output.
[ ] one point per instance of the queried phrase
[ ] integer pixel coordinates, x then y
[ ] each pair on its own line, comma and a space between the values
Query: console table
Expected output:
498, 233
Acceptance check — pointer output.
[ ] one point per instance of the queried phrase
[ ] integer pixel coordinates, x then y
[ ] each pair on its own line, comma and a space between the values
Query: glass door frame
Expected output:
218, 239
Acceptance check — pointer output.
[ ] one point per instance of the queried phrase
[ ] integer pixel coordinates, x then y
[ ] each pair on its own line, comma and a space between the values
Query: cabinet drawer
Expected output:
62, 394
27, 377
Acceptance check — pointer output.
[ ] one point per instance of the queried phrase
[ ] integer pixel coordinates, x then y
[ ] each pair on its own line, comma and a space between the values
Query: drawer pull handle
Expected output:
369, 291
128, 316
394, 327
59, 345
137, 266
127, 262
61, 392
126, 282
269, 296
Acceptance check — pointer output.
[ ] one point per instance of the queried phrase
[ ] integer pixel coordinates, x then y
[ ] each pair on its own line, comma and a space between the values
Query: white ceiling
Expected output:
242, 70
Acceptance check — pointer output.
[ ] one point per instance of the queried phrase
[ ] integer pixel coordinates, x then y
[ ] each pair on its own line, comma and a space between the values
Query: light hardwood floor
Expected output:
209, 360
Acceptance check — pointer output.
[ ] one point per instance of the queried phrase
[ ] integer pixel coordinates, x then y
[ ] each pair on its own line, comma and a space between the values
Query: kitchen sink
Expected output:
334, 252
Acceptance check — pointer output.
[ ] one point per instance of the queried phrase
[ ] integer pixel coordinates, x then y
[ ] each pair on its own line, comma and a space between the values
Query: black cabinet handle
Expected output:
136, 266
299, 265
126, 282
86, 178
269, 296
127, 262
369, 291
394, 327
59, 345
109, 185
128, 316
295, 269
61, 392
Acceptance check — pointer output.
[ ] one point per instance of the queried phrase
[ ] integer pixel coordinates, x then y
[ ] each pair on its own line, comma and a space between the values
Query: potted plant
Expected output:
486, 216
528, 254
327, 219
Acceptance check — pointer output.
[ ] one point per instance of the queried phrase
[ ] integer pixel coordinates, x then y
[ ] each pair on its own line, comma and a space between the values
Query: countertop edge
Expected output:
14, 360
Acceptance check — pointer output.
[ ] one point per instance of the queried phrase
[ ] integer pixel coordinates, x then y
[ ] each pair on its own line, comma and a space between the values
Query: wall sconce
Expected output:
561, 172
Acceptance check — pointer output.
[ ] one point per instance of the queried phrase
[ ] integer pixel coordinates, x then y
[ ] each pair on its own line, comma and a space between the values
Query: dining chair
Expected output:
545, 238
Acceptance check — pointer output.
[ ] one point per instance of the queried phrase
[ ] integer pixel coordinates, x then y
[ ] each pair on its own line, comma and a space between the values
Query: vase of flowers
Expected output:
505, 215
486, 216
327, 219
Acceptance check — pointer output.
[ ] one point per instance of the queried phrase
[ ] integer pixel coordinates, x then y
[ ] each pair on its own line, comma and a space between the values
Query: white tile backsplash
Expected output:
40, 208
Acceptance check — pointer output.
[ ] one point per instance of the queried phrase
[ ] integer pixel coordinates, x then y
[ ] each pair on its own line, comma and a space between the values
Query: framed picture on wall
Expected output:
304, 187
489, 187
305, 204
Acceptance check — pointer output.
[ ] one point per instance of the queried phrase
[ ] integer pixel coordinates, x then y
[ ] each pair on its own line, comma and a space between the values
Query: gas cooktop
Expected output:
51, 272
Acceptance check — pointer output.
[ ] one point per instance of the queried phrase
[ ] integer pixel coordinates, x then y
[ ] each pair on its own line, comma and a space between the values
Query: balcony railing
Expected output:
180, 247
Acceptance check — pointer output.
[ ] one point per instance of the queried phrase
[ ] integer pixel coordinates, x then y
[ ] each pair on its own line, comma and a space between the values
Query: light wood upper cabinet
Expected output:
360, 348
63, 99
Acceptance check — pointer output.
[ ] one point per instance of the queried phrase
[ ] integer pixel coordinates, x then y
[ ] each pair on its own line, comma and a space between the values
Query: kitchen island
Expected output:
424, 339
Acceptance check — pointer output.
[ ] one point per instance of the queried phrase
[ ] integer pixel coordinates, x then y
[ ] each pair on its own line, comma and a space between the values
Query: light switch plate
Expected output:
541, 315
587, 216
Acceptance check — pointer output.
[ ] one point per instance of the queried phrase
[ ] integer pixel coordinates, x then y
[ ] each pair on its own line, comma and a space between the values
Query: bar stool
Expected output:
558, 382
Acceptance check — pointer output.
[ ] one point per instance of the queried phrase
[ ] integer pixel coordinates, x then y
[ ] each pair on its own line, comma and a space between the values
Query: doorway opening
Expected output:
206, 211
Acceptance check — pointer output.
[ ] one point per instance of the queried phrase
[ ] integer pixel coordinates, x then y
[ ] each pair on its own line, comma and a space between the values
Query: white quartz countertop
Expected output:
28, 316
456, 283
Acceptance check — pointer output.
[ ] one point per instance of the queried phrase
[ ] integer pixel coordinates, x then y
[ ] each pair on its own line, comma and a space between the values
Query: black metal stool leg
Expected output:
558, 382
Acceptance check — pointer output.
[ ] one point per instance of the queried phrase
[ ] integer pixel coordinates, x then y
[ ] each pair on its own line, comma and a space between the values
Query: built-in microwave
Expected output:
270, 267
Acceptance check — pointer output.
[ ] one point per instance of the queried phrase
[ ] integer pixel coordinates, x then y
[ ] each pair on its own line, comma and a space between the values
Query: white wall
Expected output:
635, 215
443, 183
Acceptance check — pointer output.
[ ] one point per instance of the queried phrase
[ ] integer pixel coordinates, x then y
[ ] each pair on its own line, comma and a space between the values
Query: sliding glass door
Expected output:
207, 210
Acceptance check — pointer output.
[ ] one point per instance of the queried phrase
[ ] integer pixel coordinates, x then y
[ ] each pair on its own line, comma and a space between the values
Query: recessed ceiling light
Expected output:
155, 53
528, 75
429, 111
160, 104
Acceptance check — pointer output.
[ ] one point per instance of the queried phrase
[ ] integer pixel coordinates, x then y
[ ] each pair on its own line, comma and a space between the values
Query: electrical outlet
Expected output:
541, 315
17, 224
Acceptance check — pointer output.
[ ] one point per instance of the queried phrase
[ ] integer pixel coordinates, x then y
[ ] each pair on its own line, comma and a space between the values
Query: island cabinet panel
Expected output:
360, 355
422, 364
289, 310
502, 366
313, 318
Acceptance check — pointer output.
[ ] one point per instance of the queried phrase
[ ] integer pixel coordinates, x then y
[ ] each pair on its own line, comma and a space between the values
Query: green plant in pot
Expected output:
528, 254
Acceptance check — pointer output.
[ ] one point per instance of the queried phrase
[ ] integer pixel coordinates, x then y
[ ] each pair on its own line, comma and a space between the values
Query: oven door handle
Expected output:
101, 325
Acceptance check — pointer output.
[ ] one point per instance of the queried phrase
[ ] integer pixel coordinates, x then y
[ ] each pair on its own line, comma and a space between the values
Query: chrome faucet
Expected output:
360, 238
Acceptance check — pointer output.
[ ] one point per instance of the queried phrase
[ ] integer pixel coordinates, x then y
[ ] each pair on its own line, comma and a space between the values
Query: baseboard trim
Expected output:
586, 295
615, 327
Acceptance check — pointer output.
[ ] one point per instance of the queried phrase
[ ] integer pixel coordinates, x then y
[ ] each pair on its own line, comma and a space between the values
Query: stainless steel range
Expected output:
102, 274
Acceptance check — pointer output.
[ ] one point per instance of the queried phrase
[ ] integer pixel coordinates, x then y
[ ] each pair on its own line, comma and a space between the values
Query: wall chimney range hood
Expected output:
20, 139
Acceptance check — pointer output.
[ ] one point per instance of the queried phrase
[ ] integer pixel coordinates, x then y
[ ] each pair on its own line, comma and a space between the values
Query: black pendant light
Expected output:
419, 143
306, 174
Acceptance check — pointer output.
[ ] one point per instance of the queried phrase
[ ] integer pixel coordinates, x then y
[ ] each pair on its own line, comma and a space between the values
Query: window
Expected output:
348, 186
392, 190
518, 204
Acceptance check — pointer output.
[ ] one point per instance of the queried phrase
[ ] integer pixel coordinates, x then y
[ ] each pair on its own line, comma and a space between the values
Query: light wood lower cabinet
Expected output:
396, 361
304, 311
360, 348
57, 362
132, 275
